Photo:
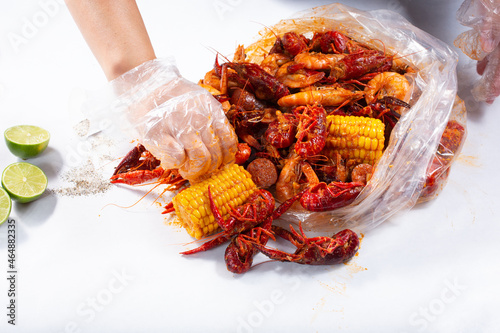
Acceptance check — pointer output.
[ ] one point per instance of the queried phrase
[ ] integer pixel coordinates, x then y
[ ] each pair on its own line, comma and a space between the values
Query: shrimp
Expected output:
273, 62
295, 75
317, 61
287, 184
328, 96
362, 173
386, 84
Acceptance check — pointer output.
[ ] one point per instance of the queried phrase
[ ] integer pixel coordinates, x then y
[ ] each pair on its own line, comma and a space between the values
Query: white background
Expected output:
84, 267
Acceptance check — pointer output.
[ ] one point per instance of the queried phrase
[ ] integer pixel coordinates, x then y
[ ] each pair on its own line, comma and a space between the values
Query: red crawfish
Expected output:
140, 166
248, 222
290, 44
311, 130
259, 206
333, 42
240, 252
439, 168
355, 65
337, 249
242, 154
322, 197
281, 132
265, 86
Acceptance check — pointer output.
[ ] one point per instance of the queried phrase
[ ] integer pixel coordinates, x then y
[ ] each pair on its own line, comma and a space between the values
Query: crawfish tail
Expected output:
322, 197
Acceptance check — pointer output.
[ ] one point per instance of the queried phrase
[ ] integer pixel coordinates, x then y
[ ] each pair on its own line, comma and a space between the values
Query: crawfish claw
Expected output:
337, 249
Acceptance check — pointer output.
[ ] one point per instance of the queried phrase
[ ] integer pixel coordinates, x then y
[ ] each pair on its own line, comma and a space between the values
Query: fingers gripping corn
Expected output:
231, 187
358, 138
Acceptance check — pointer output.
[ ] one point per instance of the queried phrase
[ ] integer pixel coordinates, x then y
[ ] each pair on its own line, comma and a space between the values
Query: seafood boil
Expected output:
313, 119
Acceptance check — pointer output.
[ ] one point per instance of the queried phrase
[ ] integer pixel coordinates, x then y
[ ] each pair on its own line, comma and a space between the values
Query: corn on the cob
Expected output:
230, 187
355, 138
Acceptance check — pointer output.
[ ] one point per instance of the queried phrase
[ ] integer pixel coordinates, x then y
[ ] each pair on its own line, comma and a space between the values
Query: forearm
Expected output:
114, 31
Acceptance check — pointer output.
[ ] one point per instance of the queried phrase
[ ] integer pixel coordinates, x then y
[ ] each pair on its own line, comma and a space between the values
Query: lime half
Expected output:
26, 141
24, 182
5, 205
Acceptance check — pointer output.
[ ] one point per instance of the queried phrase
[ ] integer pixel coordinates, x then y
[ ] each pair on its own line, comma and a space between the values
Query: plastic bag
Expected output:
481, 43
171, 116
402, 172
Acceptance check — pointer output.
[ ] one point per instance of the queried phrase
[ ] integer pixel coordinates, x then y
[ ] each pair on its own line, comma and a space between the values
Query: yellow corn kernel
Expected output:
358, 138
230, 187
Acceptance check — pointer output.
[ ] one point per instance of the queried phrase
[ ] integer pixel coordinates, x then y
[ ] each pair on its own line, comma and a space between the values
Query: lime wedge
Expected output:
24, 182
5, 205
26, 141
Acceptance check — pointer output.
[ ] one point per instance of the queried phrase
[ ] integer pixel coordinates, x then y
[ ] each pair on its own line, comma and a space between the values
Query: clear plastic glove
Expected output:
179, 122
482, 44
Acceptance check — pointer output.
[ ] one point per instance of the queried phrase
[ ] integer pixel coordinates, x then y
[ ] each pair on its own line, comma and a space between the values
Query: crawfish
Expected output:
242, 154
259, 206
240, 252
355, 65
265, 86
334, 42
321, 250
311, 130
321, 197
281, 132
248, 222
140, 166
439, 168
290, 44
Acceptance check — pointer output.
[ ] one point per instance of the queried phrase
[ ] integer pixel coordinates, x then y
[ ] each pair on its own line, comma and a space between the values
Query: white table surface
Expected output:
84, 267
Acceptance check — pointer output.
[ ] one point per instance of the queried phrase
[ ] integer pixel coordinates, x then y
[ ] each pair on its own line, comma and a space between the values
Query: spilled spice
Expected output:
84, 180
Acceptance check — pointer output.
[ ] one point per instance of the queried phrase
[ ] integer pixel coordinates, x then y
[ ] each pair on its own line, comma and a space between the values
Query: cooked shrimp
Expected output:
273, 62
287, 185
330, 96
386, 84
362, 173
317, 61
295, 76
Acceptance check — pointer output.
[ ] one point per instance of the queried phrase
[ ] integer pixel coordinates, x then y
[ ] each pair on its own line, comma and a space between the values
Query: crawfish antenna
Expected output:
266, 27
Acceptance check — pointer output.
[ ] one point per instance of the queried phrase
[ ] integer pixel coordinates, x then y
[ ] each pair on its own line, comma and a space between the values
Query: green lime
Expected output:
24, 182
5, 205
26, 141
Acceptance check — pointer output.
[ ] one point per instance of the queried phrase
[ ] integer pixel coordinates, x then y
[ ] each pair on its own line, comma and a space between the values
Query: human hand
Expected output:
482, 44
179, 122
